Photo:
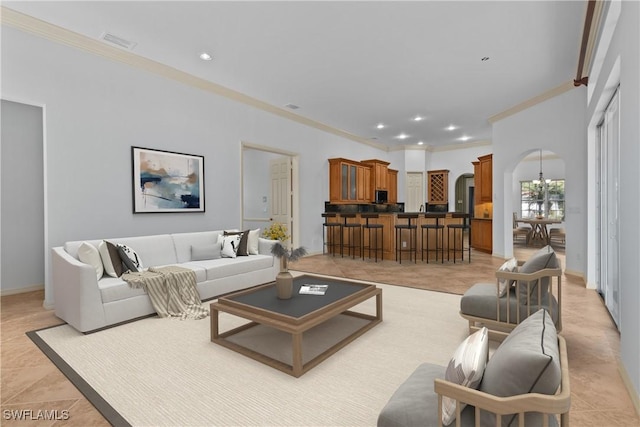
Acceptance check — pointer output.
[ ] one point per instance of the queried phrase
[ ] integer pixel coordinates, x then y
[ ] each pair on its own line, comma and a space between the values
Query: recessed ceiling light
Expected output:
381, 126
418, 118
402, 136
451, 127
420, 143
205, 56
464, 138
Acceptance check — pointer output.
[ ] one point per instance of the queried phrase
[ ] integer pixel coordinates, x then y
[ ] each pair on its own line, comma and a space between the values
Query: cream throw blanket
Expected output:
172, 291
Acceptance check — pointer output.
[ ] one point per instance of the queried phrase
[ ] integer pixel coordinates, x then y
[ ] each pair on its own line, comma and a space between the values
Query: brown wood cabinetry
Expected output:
476, 183
486, 178
482, 235
482, 225
349, 181
379, 174
392, 186
438, 185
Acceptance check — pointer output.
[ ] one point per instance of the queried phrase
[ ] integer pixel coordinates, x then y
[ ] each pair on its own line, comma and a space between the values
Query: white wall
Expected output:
458, 162
98, 109
22, 195
621, 64
557, 125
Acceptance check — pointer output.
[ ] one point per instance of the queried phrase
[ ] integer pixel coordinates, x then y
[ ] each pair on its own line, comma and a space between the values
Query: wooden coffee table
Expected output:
295, 316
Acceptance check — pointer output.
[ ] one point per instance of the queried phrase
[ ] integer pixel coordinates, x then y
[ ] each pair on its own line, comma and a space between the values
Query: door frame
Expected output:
294, 228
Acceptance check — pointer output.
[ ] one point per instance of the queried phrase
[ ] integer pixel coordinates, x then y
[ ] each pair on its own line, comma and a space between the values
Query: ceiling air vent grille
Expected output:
118, 41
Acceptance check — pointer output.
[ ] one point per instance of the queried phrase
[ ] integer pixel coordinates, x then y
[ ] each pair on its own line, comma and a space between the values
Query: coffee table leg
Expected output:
379, 305
213, 315
296, 363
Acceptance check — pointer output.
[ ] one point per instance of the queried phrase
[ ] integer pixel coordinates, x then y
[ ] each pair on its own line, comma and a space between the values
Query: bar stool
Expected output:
413, 235
375, 228
437, 227
350, 228
329, 228
462, 227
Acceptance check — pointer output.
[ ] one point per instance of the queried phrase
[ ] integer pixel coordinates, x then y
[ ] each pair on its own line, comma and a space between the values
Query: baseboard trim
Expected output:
633, 394
5, 292
576, 274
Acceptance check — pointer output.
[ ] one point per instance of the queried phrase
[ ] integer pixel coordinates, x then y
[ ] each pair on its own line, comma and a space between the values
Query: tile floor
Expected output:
29, 381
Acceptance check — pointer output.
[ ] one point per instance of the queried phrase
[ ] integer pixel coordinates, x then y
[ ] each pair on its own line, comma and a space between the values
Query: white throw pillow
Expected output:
130, 258
230, 244
89, 254
466, 368
504, 285
252, 244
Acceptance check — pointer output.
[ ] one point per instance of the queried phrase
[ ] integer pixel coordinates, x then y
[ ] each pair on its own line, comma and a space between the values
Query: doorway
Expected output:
609, 207
269, 189
464, 184
415, 192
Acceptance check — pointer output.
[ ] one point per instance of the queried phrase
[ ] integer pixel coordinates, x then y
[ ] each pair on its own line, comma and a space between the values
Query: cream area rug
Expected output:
167, 372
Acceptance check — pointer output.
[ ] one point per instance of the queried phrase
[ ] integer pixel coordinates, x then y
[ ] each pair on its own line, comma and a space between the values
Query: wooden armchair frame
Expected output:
500, 328
558, 404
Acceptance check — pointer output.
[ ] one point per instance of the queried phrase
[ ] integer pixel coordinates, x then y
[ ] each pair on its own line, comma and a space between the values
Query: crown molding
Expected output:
551, 93
78, 41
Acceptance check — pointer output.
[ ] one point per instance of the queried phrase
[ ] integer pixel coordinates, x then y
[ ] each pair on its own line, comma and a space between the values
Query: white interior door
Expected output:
281, 192
415, 192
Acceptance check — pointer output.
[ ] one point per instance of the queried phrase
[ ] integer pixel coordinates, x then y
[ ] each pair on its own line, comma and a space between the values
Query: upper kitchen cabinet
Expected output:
349, 181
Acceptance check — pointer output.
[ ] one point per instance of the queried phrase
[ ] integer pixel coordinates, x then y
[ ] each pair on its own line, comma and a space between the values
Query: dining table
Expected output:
539, 233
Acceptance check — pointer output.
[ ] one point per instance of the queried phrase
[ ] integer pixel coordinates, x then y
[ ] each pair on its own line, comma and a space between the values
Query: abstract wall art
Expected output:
164, 181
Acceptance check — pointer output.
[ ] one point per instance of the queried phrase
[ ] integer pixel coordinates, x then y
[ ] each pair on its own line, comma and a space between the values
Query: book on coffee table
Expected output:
311, 289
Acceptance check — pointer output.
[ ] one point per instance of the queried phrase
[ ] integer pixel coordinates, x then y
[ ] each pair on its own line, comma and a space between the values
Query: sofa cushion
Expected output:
207, 251
503, 284
230, 245
110, 259
527, 361
241, 249
154, 251
183, 242
225, 267
116, 289
543, 258
89, 254
415, 403
130, 258
480, 301
466, 368
252, 242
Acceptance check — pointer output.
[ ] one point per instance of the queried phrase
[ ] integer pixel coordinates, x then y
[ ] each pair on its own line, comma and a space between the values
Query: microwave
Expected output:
381, 196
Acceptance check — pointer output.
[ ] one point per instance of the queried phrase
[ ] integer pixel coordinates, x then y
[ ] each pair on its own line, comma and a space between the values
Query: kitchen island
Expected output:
389, 220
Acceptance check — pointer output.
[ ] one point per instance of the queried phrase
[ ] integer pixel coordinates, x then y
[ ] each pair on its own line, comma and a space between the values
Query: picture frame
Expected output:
167, 181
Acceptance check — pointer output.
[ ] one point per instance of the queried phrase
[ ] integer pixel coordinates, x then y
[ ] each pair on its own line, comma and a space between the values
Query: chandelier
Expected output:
541, 189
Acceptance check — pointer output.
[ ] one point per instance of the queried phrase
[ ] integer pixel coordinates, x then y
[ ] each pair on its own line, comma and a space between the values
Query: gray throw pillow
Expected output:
205, 252
544, 258
527, 361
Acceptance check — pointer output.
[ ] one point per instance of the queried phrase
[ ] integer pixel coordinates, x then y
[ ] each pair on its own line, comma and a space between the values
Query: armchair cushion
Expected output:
527, 361
544, 258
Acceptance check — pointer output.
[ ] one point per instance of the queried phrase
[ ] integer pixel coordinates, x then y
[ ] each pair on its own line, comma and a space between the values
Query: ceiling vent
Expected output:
118, 41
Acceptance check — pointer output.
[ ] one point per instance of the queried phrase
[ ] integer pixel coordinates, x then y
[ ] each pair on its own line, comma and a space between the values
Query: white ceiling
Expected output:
352, 65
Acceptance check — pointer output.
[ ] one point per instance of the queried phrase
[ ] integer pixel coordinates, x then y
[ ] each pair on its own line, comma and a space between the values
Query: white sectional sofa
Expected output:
87, 303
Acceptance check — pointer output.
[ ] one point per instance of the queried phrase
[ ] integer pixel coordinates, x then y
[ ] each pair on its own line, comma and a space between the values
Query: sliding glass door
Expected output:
609, 141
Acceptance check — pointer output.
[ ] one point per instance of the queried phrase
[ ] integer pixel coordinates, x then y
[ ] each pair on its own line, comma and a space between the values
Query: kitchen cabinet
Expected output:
486, 178
392, 186
438, 186
349, 181
482, 235
379, 174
